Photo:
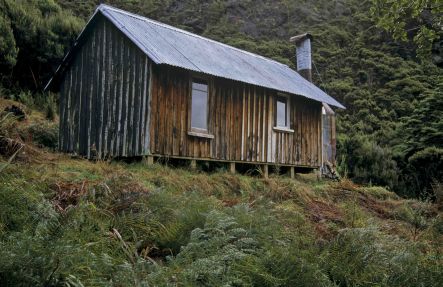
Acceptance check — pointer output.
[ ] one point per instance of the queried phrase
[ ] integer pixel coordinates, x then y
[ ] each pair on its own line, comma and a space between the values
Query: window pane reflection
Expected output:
199, 106
281, 113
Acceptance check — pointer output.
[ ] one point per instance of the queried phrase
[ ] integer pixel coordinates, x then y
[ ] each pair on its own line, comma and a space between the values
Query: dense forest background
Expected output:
391, 133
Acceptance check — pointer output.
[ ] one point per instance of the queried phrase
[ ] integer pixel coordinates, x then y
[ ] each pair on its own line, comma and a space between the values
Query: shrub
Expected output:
44, 134
367, 257
50, 106
380, 192
8, 125
364, 161
426, 166
415, 215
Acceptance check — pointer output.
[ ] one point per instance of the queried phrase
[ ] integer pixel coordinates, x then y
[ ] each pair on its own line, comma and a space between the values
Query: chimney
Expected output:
304, 63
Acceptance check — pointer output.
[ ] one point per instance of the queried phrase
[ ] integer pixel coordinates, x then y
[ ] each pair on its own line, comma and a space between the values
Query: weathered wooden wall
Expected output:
104, 96
241, 120
115, 102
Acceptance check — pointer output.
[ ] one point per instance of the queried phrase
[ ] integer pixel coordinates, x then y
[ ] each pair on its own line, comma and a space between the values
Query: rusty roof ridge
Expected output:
186, 32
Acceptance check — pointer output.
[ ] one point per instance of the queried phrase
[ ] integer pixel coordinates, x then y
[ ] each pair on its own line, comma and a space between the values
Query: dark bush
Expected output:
363, 160
427, 167
44, 134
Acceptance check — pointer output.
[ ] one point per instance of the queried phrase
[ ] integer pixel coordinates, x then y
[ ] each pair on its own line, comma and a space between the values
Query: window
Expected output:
282, 112
199, 106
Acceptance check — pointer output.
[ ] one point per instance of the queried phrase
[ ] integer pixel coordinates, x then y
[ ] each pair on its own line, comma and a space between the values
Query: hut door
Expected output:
328, 135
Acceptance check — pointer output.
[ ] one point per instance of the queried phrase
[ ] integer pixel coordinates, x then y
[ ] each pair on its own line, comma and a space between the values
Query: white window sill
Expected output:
283, 130
200, 134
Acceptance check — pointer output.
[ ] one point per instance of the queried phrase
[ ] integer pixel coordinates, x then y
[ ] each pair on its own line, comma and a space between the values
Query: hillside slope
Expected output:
390, 133
67, 221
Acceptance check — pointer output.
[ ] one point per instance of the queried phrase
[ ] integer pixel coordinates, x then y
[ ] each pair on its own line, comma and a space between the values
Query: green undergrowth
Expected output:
73, 222
68, 221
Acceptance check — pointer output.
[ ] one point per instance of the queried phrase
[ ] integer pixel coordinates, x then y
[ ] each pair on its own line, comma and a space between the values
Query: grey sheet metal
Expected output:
168, 45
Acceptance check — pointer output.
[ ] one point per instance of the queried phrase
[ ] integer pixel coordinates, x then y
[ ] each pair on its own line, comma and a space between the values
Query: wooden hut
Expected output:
131, 86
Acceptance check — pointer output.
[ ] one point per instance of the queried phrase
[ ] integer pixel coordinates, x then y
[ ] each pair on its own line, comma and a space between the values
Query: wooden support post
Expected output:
265, 171
232, 167
193, 164
149, 160
317, 173
292, 171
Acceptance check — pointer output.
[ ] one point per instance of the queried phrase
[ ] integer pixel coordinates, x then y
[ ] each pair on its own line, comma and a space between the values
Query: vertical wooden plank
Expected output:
120, 98
153, 109
125, 99
132, 131
62, 125
147, 105
139, 108
312, 134
299, 130
160, 112
238, 121
129, 108
183, 108
136, 103
67, 109
166, 100
101, 94
223, 124
254, 124
84, 99
304, 134
162, 103
95, 113
105, 92
270, 126
263, 125
250, 125
164, 106
230, 134
244, 121
73, 107
113, 78
273, 133
91, 75
258, 119
111, 91
175, 110
80, 102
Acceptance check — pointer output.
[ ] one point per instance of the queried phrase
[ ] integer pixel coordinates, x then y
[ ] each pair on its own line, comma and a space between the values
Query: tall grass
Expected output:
79, 223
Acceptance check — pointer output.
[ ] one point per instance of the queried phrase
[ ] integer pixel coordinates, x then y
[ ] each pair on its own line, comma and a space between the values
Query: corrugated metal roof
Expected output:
168, 45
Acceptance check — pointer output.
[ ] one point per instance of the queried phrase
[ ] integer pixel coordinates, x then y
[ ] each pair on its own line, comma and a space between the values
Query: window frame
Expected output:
287, 127
195, 131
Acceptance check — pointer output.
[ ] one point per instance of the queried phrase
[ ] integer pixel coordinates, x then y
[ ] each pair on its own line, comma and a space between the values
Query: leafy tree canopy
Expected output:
421, 20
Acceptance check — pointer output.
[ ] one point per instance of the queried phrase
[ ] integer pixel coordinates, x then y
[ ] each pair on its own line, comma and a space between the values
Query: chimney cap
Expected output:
297, 39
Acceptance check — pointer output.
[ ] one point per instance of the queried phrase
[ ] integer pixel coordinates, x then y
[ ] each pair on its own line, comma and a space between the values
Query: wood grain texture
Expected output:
115, 102
104, 104
241, 122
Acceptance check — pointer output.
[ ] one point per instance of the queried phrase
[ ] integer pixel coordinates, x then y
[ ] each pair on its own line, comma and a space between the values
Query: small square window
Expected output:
199, 105
282, 112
